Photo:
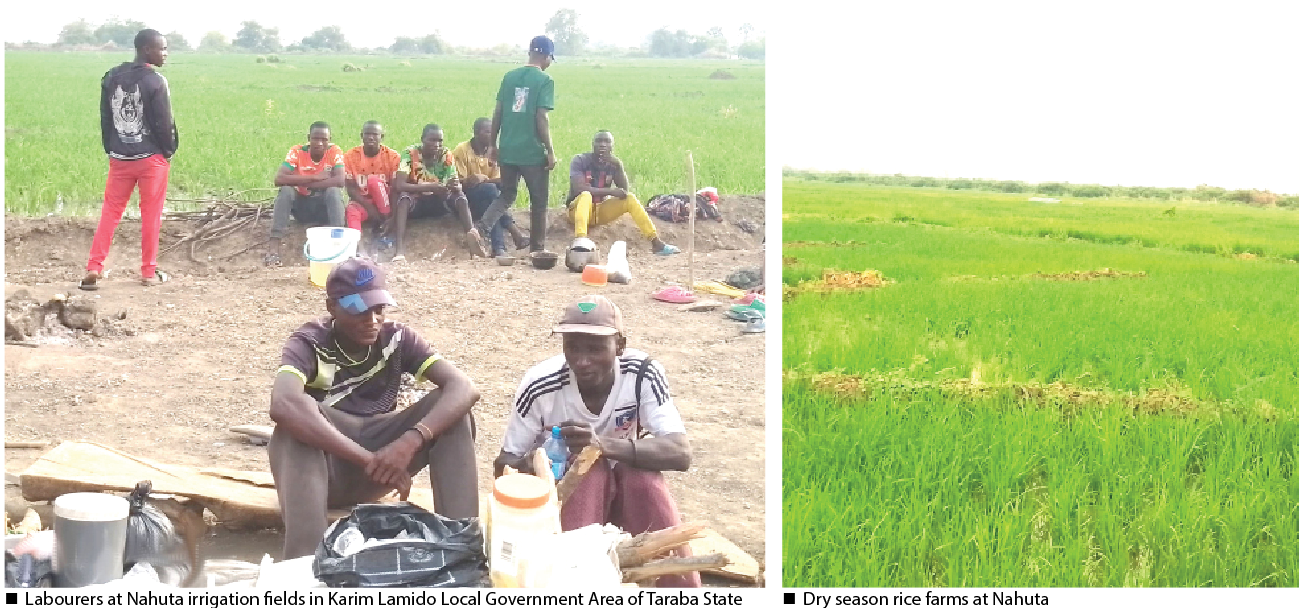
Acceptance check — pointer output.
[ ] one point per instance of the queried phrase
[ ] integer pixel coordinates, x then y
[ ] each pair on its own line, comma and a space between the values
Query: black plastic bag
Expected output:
153, 540
437, 551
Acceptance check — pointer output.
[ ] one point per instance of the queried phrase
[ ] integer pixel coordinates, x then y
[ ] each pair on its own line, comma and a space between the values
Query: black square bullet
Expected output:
11, 597
789, 597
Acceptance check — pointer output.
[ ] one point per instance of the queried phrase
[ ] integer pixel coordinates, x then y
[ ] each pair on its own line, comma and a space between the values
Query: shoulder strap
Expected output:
637, 392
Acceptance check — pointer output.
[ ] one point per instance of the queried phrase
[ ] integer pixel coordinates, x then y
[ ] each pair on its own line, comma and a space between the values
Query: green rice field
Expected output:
237, 118
979, 420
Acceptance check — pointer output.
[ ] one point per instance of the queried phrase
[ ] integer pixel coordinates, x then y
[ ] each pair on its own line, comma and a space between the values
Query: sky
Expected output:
1141, 93
458, 23
1134, 93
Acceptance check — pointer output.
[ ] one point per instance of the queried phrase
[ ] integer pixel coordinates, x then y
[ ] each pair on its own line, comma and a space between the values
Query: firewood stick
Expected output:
675, 565
572, 477
647, 546
691, 220
542, 466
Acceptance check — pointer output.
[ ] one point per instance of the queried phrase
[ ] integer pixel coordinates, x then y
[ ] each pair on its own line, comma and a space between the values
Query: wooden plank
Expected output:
421, 497
26, 445
570, 480
87, 467
741, 566
257, 434
256, 478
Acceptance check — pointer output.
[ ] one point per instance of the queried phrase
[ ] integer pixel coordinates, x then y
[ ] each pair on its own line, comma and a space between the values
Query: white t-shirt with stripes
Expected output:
549, 396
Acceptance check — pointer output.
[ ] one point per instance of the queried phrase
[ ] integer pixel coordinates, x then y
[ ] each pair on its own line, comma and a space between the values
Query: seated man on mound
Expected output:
481, 178
601, 394
368, 169
427, 186
338, 440
599, 194
311, 183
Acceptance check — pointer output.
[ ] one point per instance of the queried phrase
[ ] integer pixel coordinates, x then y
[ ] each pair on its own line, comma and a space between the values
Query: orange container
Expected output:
594, 275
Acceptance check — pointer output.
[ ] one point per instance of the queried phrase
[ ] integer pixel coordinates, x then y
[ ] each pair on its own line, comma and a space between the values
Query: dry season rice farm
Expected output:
1007, 393
238, 114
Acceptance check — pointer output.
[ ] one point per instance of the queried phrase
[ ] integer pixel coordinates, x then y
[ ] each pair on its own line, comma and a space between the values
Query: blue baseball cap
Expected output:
543, 45
357, 285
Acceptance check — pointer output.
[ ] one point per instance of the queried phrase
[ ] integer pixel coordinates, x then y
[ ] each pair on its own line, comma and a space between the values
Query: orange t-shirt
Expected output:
358, 166
300, 160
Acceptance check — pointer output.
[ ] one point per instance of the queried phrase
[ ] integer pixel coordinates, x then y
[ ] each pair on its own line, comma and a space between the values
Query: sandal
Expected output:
675, 294
90, 283
476, 244
754, 326
741, 313
718, 288
159, 278
668, 250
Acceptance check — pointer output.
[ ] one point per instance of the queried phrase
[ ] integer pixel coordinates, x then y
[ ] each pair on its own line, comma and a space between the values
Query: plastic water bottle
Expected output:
557, 453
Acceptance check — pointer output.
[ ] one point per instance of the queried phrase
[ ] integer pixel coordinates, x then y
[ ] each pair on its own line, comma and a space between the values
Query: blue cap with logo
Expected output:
357, 285
543, 45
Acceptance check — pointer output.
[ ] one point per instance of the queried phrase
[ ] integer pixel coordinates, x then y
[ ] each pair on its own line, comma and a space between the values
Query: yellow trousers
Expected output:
607, 211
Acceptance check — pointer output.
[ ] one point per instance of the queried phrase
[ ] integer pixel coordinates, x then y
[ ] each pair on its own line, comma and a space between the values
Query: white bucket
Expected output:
617, 263
327, 246
90, 535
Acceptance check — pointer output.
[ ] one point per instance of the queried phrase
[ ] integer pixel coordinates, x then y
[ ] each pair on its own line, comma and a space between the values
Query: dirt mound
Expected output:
40, 250
1171, 399
1090, 275
836, 281
1075, 275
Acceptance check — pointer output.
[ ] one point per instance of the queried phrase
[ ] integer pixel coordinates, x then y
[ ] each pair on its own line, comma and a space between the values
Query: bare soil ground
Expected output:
196, 355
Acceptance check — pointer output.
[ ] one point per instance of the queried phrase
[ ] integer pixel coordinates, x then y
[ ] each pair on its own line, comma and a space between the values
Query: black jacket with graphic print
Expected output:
135, 113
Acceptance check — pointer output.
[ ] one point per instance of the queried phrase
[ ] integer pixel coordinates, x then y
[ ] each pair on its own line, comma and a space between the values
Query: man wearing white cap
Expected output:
339, 438
602, 394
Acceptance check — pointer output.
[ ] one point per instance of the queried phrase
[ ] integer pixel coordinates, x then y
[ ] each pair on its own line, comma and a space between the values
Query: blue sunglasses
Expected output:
353, 304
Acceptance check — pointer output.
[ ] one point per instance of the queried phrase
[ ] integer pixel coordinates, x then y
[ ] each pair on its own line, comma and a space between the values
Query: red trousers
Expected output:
636, 500
150, 174
377, 190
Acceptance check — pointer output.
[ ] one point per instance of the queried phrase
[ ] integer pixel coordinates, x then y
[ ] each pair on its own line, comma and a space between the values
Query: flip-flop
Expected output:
159, 278
90, 284
476, 244
748, 298
743, 314
674, 294
668, 250
718, 288
746, 309
754, 326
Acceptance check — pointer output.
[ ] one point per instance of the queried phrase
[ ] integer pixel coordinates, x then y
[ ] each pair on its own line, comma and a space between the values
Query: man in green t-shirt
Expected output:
522, 141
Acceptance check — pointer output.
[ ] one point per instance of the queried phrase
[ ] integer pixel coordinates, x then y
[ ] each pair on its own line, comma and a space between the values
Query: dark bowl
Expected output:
543, 260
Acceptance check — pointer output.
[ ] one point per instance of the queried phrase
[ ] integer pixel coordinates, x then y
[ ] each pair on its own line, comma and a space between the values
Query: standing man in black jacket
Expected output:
135, 114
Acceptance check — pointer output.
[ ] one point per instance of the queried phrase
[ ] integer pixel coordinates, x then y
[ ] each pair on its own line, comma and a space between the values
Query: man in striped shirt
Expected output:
602, 394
